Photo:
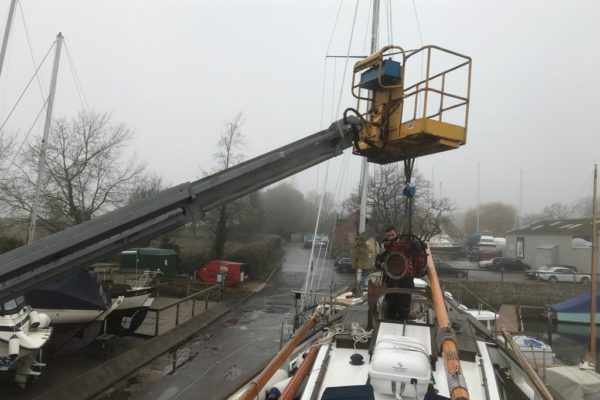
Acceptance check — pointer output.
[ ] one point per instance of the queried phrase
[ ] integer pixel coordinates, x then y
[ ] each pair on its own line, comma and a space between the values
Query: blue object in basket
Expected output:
390, 75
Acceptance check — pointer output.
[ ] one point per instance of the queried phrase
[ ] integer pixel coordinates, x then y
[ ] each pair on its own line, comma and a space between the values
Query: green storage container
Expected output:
150, 258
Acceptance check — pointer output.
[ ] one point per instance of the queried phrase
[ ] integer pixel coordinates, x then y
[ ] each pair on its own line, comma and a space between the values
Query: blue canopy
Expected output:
577, 304
78, 291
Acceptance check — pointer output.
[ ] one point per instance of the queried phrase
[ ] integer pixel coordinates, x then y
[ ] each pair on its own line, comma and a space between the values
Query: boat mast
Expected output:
47, 126
593, 270
9, 19
365, 164
520, 199
478, 190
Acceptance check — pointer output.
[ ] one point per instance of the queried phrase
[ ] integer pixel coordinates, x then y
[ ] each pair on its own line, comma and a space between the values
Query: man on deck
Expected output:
398, 304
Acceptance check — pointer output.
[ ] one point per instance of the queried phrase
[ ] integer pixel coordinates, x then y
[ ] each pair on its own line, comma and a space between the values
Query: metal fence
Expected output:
512, 276
168, 316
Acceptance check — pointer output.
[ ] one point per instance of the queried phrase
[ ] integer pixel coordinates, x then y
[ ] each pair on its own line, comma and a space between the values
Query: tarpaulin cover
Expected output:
579, 303
573, 383
356, 392
77, 291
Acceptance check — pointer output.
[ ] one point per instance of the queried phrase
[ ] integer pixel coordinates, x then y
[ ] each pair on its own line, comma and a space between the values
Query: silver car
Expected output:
562, 274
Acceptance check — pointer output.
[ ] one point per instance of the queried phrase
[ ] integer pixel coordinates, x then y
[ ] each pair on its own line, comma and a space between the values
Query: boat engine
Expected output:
405, 257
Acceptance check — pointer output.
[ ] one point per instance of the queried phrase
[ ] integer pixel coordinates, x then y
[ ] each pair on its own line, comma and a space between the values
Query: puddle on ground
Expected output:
232, 373
167, 364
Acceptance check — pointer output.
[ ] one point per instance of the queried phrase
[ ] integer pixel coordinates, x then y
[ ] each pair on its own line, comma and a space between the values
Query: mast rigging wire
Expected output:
347, 59
337, 17
24, 140
31, 52
367, 28
75, 75
312, 250
418, 22
388, 21
328, 163
26, 87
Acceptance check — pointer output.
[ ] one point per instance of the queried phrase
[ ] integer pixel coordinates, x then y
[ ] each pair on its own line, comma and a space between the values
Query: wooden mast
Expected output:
456, 379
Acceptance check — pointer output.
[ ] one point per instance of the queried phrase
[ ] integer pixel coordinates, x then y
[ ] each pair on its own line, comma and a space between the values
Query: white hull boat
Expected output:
137, 299
78, 308
538, 353
23, 333
130, 314
439, 352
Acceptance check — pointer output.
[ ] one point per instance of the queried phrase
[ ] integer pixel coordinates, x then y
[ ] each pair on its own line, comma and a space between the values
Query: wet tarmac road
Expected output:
226, 354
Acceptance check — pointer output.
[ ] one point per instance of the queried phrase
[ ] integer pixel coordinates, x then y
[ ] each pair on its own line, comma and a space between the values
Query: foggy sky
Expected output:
174, 71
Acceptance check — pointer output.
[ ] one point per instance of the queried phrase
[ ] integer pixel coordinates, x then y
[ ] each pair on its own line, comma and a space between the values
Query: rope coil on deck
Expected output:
360, 334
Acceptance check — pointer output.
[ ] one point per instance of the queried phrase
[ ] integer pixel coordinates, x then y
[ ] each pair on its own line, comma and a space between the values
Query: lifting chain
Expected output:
409, 191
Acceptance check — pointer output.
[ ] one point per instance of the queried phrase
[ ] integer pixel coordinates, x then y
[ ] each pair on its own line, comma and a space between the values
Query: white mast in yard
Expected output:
592, 354
11, 12
47, 126
365, 163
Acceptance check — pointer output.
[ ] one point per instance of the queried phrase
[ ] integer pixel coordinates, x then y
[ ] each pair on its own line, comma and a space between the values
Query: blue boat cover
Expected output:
355, 392
577, 304
77, 291
532, 342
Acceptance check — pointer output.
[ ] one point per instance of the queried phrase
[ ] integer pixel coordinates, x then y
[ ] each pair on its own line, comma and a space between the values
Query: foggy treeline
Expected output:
88, 170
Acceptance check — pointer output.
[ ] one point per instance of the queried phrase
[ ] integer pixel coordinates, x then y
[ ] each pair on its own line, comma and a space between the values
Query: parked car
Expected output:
321, 242
533, 274
508, 264
445, 269
486, 263
571, 267
318, 243
343, 264
562, 274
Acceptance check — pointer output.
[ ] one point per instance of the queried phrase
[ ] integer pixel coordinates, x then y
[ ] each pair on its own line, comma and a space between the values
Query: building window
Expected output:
520, 247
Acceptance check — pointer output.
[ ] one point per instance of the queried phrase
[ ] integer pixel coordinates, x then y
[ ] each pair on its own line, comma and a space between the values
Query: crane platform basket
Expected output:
413, 103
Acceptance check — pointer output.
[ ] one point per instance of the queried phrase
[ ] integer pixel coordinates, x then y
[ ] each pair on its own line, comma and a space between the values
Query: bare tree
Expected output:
85, 171
583, 207
228, 154
147, 186
286, 206
387, 204
328, 211
496, 218
430, 214
6, 153
7, 142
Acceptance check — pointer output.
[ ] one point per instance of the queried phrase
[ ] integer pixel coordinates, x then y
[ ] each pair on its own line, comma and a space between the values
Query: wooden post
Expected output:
156, 324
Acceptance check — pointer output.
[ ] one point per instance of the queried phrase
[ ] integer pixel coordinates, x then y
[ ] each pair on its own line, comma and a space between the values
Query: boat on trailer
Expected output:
78, 307
136, 301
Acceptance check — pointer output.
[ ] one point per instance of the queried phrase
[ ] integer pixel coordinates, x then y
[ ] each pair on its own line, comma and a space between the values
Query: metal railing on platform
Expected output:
184, 309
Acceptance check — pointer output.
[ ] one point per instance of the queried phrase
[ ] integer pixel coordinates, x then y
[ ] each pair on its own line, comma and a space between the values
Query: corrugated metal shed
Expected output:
570, 227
